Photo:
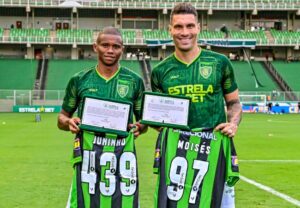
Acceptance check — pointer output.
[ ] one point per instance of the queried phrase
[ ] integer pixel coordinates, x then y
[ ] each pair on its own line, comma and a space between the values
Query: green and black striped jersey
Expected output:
105, 172
193, 167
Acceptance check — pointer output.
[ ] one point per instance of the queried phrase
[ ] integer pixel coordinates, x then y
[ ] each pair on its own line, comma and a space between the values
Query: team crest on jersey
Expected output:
122, 90
205, 71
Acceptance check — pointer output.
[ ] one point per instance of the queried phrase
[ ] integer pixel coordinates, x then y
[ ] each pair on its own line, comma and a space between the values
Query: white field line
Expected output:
272, 191
279, 121
271, 161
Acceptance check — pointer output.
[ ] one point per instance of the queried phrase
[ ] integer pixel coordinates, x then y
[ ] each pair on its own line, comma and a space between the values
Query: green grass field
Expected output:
36, 170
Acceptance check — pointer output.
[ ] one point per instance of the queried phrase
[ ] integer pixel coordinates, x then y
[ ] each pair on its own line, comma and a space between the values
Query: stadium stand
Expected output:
149, 23
32, 35
246, 80
128, 36
211, 35
259, 36
289, 72
1, 33
133, 65
286, 37
19, 74
156, 34
60, 71
75, 35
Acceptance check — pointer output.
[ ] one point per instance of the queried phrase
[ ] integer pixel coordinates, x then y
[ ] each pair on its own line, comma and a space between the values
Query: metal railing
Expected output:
129, 41
10, 98
160, 4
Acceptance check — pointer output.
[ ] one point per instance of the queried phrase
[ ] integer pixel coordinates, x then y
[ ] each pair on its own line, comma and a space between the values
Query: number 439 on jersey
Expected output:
108, 163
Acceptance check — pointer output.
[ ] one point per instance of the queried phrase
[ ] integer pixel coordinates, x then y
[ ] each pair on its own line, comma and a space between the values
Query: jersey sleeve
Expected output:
137, 104
232, 168
70, 101
155, 86
228, 81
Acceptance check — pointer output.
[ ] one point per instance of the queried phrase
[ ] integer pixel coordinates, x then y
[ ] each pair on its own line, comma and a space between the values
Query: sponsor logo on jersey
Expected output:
103, 141
122, 90
202, 134
157, 154
174, 77
77, 148
234, 160
93, 90
196, 92
76, 143
205, 71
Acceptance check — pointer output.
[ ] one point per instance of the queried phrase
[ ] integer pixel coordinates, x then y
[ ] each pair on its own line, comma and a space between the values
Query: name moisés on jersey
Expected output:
103, 141
201, 148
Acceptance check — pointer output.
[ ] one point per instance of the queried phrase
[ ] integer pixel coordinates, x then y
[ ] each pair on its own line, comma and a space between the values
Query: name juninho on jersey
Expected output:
103, 141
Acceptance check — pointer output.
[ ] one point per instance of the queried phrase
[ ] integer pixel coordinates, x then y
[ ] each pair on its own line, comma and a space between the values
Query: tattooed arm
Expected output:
234, 114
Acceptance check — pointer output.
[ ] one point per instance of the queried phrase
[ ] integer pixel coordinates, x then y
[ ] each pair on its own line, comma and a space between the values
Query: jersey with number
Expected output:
125, 85
205, 81
105, 172
192, 168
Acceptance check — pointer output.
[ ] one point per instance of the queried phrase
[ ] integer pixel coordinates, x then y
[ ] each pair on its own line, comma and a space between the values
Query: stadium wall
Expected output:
229, 18
12, 50
62, 52
6, 22
297, 24
95, 23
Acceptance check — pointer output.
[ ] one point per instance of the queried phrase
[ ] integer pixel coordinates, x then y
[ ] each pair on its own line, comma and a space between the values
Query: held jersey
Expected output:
192, 168
105, 172
205, 81
125, 85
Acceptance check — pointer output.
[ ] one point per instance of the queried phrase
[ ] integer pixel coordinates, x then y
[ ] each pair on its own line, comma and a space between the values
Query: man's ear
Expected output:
95, 47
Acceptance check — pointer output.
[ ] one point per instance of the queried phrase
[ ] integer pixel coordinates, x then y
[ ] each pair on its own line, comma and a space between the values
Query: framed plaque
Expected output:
105, 115
165, 110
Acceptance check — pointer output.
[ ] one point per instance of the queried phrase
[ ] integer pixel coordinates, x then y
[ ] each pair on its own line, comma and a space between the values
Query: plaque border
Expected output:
159, 124
102, 129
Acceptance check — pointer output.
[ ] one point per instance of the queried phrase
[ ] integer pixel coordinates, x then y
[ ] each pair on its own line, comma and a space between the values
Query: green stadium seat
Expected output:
129, 36
245, 78
60, 71
75, 35
289, 72
33, 35
1, 33
286, 37
156, 35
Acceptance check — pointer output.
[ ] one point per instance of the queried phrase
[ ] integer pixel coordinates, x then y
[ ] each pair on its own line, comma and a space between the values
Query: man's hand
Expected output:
67, 123
73, 125
138, 129
228, 129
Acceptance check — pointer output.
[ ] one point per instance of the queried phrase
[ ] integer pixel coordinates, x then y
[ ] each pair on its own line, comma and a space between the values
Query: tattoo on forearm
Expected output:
234, 111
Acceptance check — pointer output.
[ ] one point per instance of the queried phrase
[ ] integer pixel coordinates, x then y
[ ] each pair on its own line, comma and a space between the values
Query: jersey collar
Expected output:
188, 64
107, 80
